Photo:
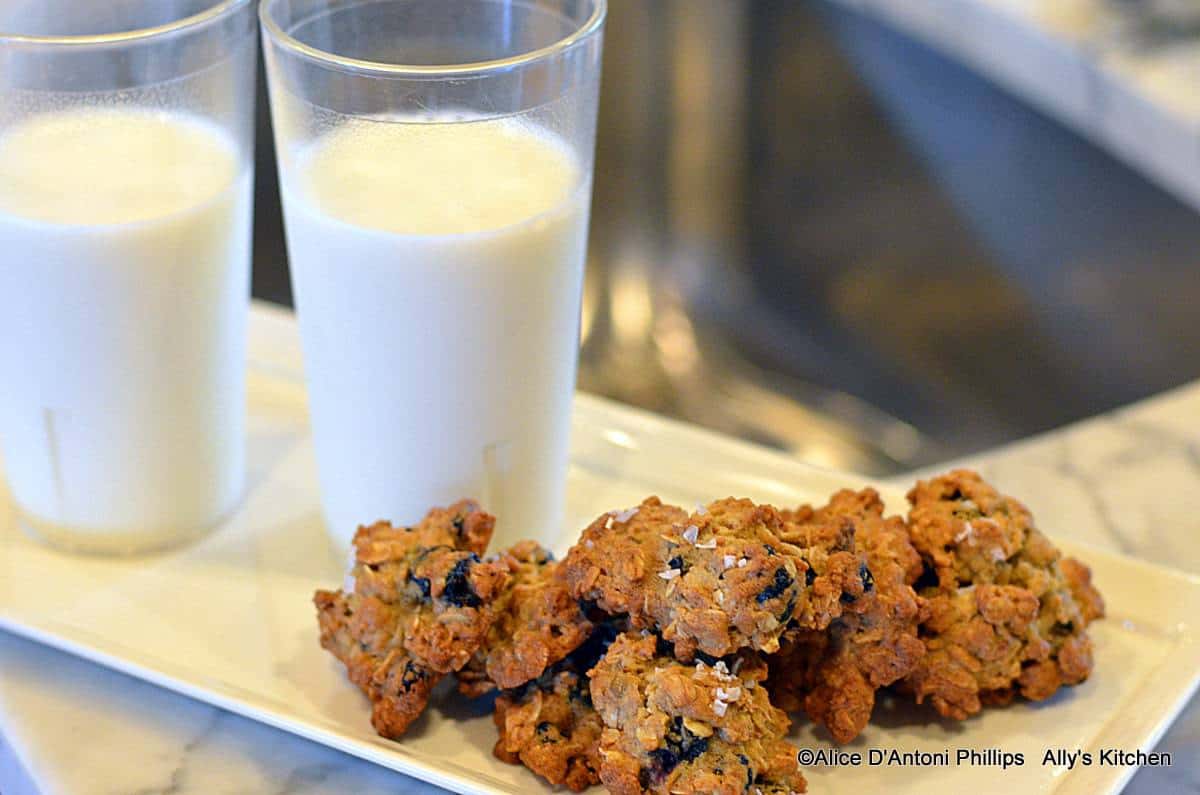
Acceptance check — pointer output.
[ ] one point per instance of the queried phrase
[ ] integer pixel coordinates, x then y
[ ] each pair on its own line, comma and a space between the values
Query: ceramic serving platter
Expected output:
229, 620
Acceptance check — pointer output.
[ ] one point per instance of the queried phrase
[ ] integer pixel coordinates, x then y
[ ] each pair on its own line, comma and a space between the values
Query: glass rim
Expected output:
199, 19
585, 31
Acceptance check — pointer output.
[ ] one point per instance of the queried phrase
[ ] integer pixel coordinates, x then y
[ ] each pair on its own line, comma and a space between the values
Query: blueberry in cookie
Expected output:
1008, 615
416, 606
723, 578
538, 622
833, 675
677, 727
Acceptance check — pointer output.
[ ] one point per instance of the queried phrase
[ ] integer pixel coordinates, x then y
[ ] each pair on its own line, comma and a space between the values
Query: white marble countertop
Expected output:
1109, 69
1129, 482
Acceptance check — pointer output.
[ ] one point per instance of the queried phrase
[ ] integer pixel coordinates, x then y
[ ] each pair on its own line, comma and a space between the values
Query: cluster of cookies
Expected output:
664, 652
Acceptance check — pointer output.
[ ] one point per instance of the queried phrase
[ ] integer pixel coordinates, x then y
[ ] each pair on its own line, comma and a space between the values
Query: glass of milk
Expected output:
435, 159
126, 138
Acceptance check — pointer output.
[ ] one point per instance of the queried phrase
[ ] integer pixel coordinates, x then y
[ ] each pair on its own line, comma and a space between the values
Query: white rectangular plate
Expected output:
230, 620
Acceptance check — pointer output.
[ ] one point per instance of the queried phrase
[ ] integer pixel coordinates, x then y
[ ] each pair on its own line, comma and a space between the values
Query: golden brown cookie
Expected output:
1079, 581
550, 724
976, 639
966, 531
1008, 615
679, 728
418, 607
833, 675
537, 624
718, 580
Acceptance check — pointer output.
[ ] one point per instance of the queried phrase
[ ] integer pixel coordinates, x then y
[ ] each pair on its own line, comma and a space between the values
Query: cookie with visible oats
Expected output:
834, 675
417, 605
1008, 614
968, 533
723, 578
537, 624
674, 727
550, 725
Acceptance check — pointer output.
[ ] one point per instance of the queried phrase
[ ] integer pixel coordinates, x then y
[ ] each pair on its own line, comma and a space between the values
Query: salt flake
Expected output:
627, 514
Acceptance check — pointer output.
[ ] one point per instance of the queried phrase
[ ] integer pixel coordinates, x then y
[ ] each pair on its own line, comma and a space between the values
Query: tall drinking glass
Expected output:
436, 159
126, 138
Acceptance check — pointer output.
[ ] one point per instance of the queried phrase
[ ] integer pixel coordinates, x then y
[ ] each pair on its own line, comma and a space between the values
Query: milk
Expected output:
437, 271
124, 266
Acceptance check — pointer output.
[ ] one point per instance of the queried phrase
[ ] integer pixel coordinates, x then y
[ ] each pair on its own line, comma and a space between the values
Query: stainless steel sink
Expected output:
814, 233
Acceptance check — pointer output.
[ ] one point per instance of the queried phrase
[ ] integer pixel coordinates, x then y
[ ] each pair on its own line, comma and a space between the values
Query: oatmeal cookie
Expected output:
550, 725
833, 675
1079, 581
718, 580
976, 639
417, 605
537, 624
838, 574
967, 532
674, 727
1008, 615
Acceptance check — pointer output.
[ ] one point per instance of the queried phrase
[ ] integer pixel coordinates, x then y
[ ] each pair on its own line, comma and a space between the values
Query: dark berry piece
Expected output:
458, 590
422, 584
412, 676
782, 582
682, 746
664, 760
786, 615
868, 579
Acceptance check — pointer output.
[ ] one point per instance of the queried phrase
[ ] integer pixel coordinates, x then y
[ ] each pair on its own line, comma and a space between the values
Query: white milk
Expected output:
124, 267
438, 272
